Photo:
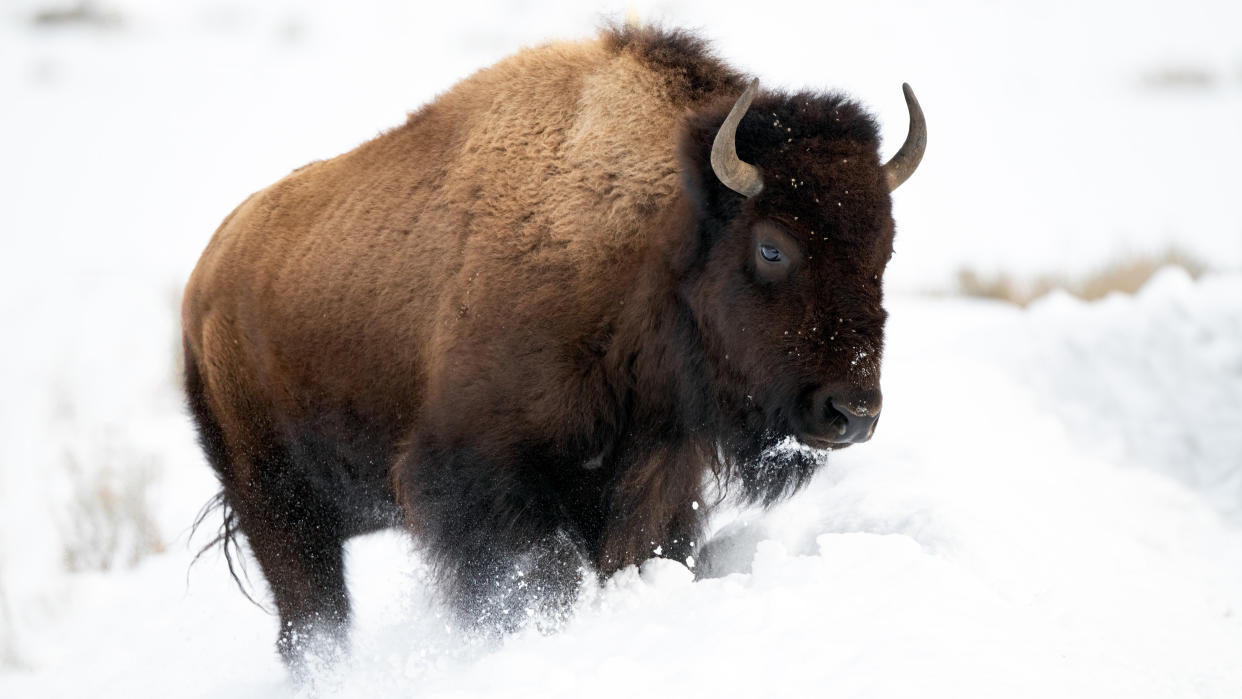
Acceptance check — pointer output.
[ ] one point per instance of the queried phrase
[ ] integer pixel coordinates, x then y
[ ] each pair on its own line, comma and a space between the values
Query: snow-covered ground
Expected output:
1051, 507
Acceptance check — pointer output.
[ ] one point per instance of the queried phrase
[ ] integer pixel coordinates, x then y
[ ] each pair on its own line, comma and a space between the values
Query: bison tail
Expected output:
226, 538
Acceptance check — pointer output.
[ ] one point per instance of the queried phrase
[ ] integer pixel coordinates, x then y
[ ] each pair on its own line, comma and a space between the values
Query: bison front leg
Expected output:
503, 588
652, 509
501, 542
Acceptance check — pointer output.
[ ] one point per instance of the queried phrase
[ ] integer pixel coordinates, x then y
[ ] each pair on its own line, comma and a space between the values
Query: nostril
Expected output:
841, 414
835, 419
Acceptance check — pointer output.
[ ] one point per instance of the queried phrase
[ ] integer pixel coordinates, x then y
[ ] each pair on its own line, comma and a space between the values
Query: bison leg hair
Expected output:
497, 589
653, 508
303, 562
508, 552
294, 533
513, 537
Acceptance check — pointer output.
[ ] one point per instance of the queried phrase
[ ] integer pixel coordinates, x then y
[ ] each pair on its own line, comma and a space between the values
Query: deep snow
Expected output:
999, 551
1052, 503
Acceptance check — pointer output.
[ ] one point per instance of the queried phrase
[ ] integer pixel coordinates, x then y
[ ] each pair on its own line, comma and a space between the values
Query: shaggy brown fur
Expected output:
528, 321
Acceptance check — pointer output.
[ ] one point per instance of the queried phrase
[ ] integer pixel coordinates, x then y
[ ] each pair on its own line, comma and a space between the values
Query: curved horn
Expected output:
899, 168
740, 176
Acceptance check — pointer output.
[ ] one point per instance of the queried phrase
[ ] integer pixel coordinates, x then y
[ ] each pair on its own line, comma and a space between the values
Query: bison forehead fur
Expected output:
530, 322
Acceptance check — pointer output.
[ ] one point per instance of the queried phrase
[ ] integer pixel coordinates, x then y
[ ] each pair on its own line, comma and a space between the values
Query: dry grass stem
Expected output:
1126, 276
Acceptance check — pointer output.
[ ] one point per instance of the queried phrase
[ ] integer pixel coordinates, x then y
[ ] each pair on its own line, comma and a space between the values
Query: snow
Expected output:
1052, 503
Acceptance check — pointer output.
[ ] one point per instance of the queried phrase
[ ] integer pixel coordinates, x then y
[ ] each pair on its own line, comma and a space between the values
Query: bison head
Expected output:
795, 232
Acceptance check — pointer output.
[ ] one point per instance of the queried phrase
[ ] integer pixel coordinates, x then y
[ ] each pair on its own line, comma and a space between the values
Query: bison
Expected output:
534, 322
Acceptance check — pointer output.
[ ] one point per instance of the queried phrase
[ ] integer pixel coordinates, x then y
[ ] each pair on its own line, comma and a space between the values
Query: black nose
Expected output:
844, 415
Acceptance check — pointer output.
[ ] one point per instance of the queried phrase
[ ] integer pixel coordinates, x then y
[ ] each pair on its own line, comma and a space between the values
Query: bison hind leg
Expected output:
294, 532
301, 552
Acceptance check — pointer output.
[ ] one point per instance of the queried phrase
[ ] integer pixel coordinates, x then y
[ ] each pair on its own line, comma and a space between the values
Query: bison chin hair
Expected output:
766, 468
757, 458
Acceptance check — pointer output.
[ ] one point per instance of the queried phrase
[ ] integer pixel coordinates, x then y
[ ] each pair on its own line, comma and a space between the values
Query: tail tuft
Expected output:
226, 538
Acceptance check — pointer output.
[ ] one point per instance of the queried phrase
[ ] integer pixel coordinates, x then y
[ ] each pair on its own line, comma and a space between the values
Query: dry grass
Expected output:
82, 13
109, 522
1181, 77
1126, 276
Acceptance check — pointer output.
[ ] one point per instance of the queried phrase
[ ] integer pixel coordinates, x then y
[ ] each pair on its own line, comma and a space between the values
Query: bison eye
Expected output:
776, 252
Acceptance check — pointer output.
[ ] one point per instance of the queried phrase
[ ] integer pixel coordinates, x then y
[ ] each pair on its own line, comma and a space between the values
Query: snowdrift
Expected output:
1038, 516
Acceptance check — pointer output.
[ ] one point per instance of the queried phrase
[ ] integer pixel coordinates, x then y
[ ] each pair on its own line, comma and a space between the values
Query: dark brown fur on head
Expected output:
772, 344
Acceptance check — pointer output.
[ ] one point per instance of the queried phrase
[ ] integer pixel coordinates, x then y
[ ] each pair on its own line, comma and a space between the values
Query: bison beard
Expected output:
532, 323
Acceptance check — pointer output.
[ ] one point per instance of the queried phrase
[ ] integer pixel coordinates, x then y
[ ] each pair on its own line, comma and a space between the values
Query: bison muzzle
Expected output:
532, 324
